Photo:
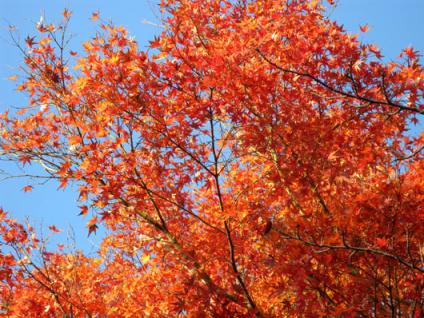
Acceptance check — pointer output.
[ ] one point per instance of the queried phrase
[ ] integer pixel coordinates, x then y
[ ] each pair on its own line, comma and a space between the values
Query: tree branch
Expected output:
337, 90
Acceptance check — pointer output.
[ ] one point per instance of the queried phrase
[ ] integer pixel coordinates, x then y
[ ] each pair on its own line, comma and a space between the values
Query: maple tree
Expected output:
256, 160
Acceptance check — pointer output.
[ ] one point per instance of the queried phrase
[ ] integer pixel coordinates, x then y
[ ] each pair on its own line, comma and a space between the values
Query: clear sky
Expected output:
394, 24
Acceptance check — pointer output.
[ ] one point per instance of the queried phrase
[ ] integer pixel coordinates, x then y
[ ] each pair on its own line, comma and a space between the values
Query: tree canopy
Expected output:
255, 161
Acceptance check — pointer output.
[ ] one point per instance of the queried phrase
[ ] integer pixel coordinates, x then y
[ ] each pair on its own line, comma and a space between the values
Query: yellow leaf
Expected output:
145, 258
114, 59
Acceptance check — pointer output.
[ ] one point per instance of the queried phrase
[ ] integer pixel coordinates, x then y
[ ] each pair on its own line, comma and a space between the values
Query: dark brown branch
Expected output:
339, 91
183, 208
249, 299
152, 200
410, 155
347, 246
236, 271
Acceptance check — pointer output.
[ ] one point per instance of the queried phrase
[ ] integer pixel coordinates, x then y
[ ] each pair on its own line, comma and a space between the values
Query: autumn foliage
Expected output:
255, 160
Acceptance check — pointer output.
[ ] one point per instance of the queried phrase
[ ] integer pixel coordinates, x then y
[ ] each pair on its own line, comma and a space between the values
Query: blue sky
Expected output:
394, 24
